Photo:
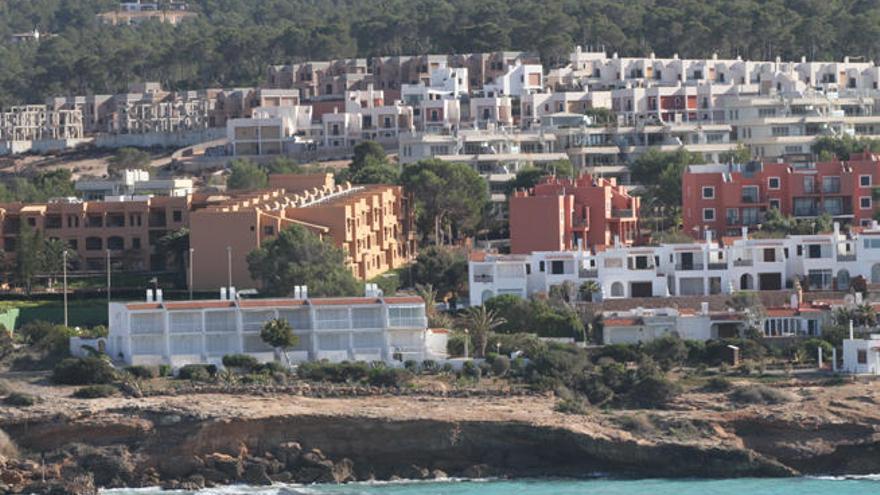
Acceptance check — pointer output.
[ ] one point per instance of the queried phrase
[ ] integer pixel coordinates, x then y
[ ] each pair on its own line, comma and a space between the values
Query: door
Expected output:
770, 281
687, 261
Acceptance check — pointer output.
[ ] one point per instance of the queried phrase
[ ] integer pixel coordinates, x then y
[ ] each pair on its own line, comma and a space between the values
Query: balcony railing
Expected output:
615, 213
846, 257
691, 266
718, 266
743, 262
588, 273
483, 278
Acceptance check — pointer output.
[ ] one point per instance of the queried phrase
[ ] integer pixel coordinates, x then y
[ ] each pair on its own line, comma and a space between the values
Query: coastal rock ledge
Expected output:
191, 443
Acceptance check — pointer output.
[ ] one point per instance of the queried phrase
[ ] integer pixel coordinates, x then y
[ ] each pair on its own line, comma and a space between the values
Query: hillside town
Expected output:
556, 242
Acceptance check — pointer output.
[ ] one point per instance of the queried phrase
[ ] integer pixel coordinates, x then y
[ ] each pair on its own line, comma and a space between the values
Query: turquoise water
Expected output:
791, 486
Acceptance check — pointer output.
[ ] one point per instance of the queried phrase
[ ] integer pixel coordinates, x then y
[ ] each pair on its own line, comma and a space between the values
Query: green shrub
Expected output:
471, 370
654, 391
668, 351
811, 347
272, 368
19, 399
718, 384
196, 372
573, 405
761, 394
95, 391
447, 368
389, 377
455, 344
412, 365
637, 423
241, 361
429, 366
345, 372
144, 372
746, 368
485, 368
501, 366
165, 370
83, 371
622, 353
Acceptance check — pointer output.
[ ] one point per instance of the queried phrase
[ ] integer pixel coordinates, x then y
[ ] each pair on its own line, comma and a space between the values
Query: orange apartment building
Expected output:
130, 229
563, 214
372, 224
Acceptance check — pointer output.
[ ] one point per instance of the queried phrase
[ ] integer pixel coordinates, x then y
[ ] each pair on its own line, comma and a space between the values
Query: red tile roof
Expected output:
621, 322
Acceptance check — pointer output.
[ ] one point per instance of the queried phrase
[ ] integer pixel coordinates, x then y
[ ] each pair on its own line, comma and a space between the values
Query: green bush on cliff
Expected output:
143, 372
95, 392
240, 361
389, 377
83, 371
19, 399
761, 394
197, 372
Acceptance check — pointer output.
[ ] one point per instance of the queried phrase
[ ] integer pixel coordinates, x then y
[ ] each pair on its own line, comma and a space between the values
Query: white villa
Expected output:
370, 328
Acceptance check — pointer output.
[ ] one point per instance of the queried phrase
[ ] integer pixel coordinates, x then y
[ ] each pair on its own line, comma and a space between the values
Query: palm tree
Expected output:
481, 321
587, 289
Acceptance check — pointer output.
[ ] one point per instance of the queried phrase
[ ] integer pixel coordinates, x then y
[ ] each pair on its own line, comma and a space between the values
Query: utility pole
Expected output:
229, 264
108, 276
64, 269
191, 251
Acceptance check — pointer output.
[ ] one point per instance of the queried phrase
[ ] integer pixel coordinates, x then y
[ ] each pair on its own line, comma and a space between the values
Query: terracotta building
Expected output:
372, 224
561, 214
724, 198
129, 227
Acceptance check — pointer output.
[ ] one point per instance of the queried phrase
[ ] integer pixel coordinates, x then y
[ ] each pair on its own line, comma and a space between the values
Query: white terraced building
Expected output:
824, 261
177, 333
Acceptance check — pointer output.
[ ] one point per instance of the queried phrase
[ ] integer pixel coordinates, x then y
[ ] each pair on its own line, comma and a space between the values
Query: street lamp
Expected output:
64, 270
108, 276
191, 251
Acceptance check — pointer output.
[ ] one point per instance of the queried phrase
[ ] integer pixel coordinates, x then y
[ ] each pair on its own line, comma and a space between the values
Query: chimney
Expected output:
222, 293
158, 295
149, 295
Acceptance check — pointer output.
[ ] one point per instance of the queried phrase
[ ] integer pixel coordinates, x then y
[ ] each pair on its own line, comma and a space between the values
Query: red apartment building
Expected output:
725, 198
560, 214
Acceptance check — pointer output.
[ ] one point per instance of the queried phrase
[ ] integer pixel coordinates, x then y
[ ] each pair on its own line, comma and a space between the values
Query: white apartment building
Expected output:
519, 80
436, 106
270, 131
821, 261
132, 183
370, 328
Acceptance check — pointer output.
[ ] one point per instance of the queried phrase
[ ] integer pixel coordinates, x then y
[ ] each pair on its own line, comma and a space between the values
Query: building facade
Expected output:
563, 214
177, 333
724, 198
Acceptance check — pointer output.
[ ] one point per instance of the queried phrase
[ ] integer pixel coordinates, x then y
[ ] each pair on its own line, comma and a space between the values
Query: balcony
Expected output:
616, 213
744, 263
718, 266
588, 273
688, 267
483, 278
846, 257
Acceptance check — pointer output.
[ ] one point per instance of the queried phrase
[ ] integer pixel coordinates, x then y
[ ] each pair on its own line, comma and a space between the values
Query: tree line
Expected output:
233, 41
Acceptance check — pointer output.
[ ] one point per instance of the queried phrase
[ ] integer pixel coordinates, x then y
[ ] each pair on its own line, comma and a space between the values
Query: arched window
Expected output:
115, 243
617, 289
746, 282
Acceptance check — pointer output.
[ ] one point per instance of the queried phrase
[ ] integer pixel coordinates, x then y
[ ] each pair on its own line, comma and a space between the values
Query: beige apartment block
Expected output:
129, 228
372, 224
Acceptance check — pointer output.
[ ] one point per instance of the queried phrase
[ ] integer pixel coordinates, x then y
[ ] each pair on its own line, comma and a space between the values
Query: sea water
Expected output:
857, 485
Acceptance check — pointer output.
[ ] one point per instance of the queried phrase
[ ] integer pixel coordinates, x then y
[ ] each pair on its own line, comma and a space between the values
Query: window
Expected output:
177, 215
766, 112
863, 356
135, 242
94, 243
708, 192
773, 183
833, 206
541, 266
774, 204
732, 216
809, 184
780, 131
865, 202
865, 180
769, 255
750, 194
708, 214
830, 184
557, 267
268, 230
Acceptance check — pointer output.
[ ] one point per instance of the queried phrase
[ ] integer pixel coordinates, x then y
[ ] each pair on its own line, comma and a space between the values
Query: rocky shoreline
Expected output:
196, 441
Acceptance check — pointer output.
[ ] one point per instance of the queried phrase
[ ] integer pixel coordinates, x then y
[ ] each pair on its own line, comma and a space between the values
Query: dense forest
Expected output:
233, 41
